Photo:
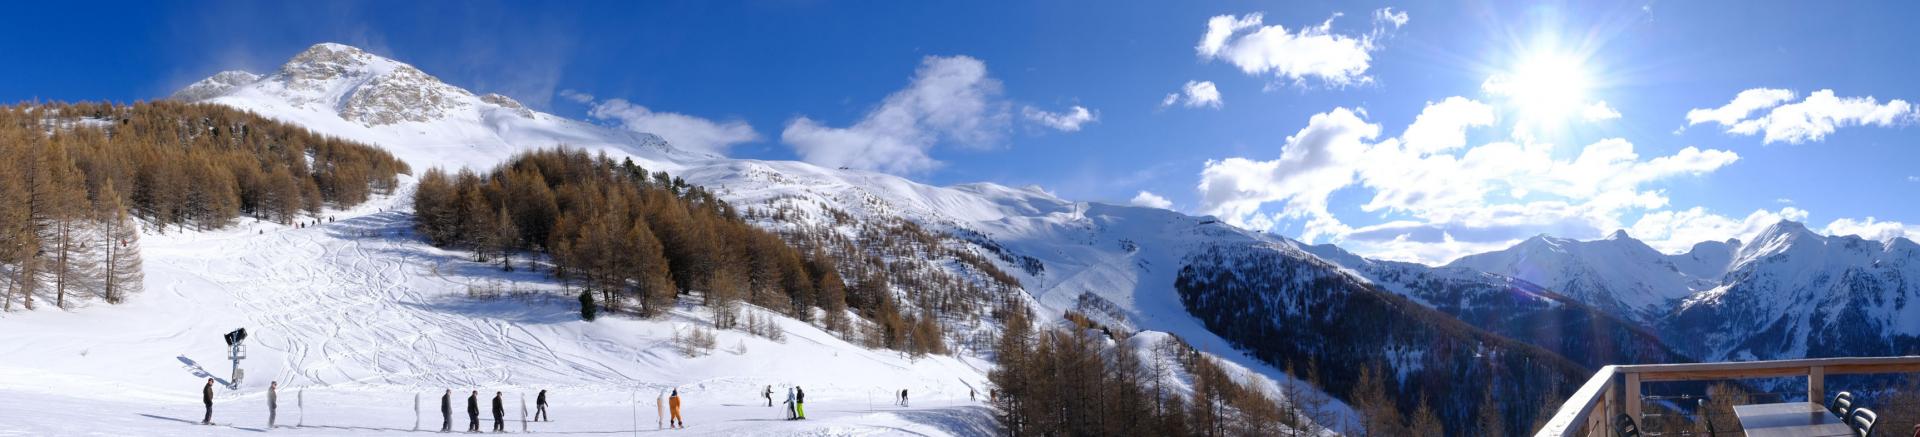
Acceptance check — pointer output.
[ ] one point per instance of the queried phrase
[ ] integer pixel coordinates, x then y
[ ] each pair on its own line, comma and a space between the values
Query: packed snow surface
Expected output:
356, 317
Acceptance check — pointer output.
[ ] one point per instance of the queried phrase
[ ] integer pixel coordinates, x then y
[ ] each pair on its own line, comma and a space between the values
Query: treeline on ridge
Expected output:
638, 240
76, 175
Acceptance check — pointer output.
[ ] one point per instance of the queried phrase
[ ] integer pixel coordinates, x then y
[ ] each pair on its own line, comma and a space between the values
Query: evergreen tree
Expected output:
587, 308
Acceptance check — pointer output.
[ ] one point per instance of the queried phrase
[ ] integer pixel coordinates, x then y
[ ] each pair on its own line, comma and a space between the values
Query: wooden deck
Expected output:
1616, 389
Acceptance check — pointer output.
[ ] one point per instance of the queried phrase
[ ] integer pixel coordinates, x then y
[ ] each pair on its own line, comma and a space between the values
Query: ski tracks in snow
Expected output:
353, 302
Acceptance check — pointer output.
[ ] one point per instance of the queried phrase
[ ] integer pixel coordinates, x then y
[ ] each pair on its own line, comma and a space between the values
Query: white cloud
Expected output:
1873, 229
682, 131
1810, 119
1598, 111
1443, 126
1458, 198
1913, 178
1743, 104
950, 98
1783, 201
1294, 56
1068, 121
1316, 161
1677, 231
576, 96
1151, 200
1387, 15
1194, 95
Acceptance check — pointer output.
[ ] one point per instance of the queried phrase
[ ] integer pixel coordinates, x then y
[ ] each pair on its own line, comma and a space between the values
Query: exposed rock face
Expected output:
403, 94
214, 86
508, 103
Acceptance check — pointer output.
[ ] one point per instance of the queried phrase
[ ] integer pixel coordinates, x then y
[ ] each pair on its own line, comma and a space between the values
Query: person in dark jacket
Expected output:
540, 408
206, 397
799, 403
473, 412
499, 414
273, 403
446, 411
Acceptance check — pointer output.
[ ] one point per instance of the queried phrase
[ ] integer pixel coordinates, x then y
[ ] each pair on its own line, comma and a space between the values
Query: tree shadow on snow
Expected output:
529, 311
973, 420
197, 371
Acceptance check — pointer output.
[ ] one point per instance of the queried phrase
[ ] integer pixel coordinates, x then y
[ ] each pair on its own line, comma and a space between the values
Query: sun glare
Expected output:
1551, 84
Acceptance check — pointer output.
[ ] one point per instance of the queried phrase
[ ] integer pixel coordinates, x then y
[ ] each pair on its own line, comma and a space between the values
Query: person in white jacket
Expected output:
789, 403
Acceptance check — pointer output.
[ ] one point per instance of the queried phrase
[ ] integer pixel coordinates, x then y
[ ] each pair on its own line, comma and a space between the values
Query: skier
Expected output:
206, 397
659, 410
903, 397
789, 404
499, 414
673, 404
970, 395
446, 411
799, 403
768, 394
540, 408
273, 403
473, 412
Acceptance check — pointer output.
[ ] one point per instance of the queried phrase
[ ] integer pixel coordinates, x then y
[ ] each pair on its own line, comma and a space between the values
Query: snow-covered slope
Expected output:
346, 92
356, 317
1514, 308
1618, 273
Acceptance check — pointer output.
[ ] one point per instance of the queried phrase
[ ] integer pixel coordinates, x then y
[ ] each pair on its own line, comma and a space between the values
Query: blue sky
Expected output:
1571, 118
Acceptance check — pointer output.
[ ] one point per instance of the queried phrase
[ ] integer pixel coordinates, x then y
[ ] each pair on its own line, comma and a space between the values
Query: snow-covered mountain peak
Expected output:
354, 94
1619, 235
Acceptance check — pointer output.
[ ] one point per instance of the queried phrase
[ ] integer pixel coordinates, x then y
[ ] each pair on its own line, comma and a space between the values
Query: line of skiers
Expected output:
273, 403
499, 411
446, 408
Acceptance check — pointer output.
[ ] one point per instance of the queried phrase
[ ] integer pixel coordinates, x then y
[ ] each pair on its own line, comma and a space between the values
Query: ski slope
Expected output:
356, 317
363, 315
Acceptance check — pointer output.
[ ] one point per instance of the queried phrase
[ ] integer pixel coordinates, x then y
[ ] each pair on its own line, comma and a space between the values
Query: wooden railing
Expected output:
1616, 389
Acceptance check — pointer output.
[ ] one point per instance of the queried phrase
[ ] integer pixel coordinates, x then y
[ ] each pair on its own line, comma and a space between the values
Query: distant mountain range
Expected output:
1789, 293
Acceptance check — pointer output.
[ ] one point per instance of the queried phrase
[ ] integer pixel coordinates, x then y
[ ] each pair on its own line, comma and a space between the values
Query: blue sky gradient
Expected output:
768, 63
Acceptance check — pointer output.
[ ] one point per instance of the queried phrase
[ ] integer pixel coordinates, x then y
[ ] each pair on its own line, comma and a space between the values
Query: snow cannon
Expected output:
236, 351
236, 336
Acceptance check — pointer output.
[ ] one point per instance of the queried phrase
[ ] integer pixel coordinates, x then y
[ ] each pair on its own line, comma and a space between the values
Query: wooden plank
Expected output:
1632, 398
1854, 369
1817, 384
1907, 362
1570, 421
1718, 374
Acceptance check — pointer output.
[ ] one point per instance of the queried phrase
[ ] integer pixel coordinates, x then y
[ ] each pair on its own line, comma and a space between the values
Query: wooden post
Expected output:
1817, 384
1632, 399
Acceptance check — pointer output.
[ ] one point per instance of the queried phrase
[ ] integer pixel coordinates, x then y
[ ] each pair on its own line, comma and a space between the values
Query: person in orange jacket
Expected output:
673, 405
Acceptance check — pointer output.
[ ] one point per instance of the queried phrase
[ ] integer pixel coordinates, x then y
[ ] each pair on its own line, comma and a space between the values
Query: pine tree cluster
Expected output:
1069, 382
642, 239
79, 178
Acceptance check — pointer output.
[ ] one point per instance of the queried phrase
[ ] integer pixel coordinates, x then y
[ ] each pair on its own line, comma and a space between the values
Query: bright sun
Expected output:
1545, 87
